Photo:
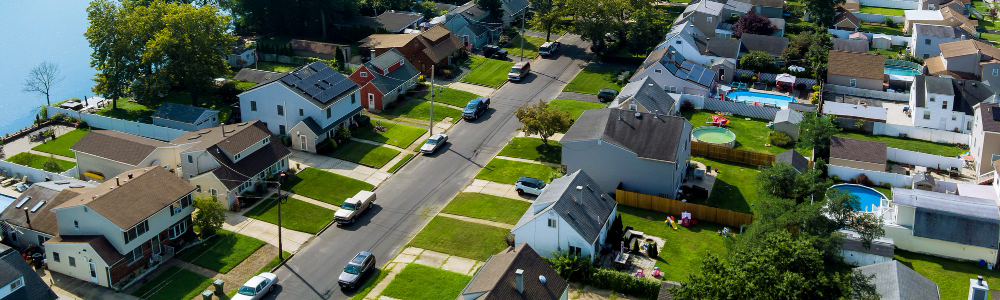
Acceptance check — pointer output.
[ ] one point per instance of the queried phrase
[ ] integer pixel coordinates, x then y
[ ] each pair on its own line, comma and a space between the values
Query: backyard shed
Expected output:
881, 41
893, 281
787, 121
854, 253
858, 154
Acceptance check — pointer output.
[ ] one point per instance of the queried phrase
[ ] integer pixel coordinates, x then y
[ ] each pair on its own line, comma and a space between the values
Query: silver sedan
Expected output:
433, 143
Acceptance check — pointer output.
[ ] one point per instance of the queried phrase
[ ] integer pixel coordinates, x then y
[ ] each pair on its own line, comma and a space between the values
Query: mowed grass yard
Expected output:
735, 185
684, 248
594, 78
418, 281
882, 11
273, 66
751, 135
174, 283
295, 214
364, 153
487, 207
325, 186
508, 171
487, 71
909, 144
464, 239
221, 252
396, 134
882, 29
951, 276
60, 145
420, 110
450, 96
143, 112
533, 149
38, 161
575, 108
531, 45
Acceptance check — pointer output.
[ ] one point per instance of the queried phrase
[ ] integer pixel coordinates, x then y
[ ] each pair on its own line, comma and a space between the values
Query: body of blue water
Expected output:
5, 200
866, 195
751, 97
36, 31
900, 70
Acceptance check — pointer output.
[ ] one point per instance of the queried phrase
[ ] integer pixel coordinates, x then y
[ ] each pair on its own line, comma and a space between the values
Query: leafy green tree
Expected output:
52, 165
426, 8
116, 56
209, 215
539, 120
822, 12
648, 28
758, 61
815, 132
547, 13
495, 7
753, 23
775, 180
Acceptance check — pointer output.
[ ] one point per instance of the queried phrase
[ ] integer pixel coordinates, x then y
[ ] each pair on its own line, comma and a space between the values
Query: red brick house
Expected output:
384, 79
436, 46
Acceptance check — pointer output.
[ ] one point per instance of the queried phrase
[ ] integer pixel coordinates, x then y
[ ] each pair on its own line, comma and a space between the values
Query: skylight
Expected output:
22, 202
37, 206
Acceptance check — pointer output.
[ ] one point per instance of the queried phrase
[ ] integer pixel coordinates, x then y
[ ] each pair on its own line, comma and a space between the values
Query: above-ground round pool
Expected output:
714, 135
868, 197
751, 97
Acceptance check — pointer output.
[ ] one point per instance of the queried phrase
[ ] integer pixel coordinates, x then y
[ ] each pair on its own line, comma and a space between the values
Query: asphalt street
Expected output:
411, 197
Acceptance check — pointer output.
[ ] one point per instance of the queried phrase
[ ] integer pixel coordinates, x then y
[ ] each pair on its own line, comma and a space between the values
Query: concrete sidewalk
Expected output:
413, 255
555, 137
579, 97
472, 88
341, 167
527, 161
476, 220
291, 240
315, 202
496, 189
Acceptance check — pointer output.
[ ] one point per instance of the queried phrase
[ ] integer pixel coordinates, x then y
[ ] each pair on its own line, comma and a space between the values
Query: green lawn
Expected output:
38, 161
400, 163
575, 108
951, 276
487, 71
274, 262
295, 214
507, 171
909, 144
396, 134
143, 112
487, 207
592, 79
421, 110
325, 186
751, 135
370, 284
992, 37
464, 239
174, 283
531, 45
735, 185
422, 282
273, 66
882, 11
533, 149
60, 145
221, 252
881, 29
684, 249
892, 52
450, 96
364, 153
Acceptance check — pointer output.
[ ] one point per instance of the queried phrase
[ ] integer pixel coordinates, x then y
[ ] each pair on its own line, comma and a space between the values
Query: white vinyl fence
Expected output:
879, 18
901, 4
34, 175
923, 159
132, 127
921, 133
846, 173
897, 40
852, 91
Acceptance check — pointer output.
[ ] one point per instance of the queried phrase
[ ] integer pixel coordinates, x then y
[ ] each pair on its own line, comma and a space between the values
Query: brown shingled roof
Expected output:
42, 220
117, 146
859, 65
496, 278
968, 47
935, 66
234, 139
133, 200
858, 150
101, 245
313, 47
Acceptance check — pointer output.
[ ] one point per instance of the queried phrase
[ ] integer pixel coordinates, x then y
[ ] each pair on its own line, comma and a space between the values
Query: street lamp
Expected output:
281, 200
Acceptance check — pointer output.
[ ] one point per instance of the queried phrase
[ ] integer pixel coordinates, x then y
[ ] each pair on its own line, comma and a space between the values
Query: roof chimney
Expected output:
129, 175
579, 194
27, 219
519, 276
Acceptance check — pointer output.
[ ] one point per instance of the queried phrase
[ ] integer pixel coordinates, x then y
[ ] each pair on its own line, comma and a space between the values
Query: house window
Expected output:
237, 156
709, 19
927, 115
190, 159
926, 56
76, 225
265, 141
281, 129
927, 41
658, 71
72, 261
135, 255
16, 284
198, 188
42, 239
633, 107
55, 256
178, 229
136, 231
364, 74
968, 126
932, 99
352, 98
952, 117
329, 113
281, 110
552, 223
944, 104
996, 72
253, 105
573, 250
854, 82
215, 192
302, 112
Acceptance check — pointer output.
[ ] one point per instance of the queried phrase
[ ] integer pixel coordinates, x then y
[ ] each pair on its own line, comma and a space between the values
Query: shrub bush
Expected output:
862, 179
651, 250
687, 105
625, 283
780, 139
887, 185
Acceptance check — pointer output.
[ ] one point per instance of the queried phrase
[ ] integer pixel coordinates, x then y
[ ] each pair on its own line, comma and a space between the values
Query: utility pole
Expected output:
281, 179
522, 38
431, 130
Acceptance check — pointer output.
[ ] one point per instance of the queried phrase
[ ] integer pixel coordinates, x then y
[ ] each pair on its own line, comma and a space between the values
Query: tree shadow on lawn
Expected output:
727, 196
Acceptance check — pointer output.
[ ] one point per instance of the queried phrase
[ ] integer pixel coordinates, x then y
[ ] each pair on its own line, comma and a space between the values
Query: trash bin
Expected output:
218, 287
206, 295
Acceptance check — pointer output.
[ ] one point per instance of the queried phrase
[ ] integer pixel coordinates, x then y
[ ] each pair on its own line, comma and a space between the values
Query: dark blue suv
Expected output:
475, 108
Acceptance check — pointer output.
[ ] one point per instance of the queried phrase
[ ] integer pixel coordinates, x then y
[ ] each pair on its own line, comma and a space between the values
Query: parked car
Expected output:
356, 269
354, 206
519, 71
606, 95
256, 287
433, 143
494, 51
549, 48
528, 185
475, 108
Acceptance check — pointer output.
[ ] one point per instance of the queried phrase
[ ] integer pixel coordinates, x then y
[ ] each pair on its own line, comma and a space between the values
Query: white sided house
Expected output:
984, 143
306, 104
676, 74
103, 154
23, 226
571, 214
946, 104
942, 224
185, 117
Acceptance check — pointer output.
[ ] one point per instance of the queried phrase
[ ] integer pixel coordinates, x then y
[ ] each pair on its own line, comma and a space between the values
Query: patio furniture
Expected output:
622, 260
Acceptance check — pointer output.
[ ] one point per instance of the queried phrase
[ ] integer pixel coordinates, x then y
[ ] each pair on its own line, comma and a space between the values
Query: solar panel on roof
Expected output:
683, 74
687, 65
996, 114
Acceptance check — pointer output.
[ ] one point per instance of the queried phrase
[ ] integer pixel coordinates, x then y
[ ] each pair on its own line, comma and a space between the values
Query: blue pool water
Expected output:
751, 97
900, 70
5, 200
866, 195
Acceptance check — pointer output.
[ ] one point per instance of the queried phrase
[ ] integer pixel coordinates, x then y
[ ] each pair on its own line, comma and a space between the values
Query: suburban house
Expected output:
860, 70
257, 76
436, 46
698, 48
794, 159
185, 117
21, 281
787, 121
769, 8
943, 224
714, 49
858, 154
848, 113
306, 104
645, 95
640, 152
854, 252
512, 9
241, 56
779, 24
704, 16
895, 281
226, 161
316, 49
774, 45
984, 142
675, 73
967, 59
947, 104
946, 16
845, 20
516, 273
399, 21
385, 79
103, 154
473, 33
926, 38
23, 225
851, 45
571, 214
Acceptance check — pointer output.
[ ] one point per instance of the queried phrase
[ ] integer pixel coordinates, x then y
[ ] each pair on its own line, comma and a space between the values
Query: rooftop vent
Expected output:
76, 186
242, 124
541, 278
37, 206
206, 131
62, 182
638, 115
519, 277
194, 137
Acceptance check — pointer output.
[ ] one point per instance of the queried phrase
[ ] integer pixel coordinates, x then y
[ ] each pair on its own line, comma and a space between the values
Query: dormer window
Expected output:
76, 225
364, 74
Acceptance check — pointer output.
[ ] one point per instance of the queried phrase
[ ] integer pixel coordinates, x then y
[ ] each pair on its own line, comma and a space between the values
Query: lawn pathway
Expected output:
496, 189
472, 88
315, 202
53, 155
555, 137
528, 161
477, 220
378, 144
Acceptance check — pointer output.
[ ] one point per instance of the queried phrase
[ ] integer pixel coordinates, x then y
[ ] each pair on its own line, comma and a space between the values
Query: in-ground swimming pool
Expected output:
714, 135
867, 196
5, 200
751, 97
900, 70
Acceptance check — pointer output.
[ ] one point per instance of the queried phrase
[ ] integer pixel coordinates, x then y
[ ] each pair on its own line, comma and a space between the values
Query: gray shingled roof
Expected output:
395, 21
938, 30
719, 47
496, 279
775, 45
117, 146
794, 159
967, 93
858, 150
649, 136
54, 193
587, 215
397, 77
953, 218
895, 281
991, 116
849, 45
788, 115
649, 93
13, 266
939, 85
180, 113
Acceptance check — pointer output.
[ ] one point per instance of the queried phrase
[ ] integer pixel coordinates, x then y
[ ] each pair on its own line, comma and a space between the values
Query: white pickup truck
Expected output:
354, 206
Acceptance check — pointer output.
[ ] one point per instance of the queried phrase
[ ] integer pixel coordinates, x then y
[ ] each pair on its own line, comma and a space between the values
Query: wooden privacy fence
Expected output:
730, 154
675, 207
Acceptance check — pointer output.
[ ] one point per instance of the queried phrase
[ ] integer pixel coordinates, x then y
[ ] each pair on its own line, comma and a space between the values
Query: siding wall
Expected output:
268, 98
864, 83
611, 165
923, 133
846, 173
904, 239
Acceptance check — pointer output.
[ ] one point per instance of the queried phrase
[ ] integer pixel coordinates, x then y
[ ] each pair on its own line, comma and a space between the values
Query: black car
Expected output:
475, 108
606, 95
494, 51
356, 269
